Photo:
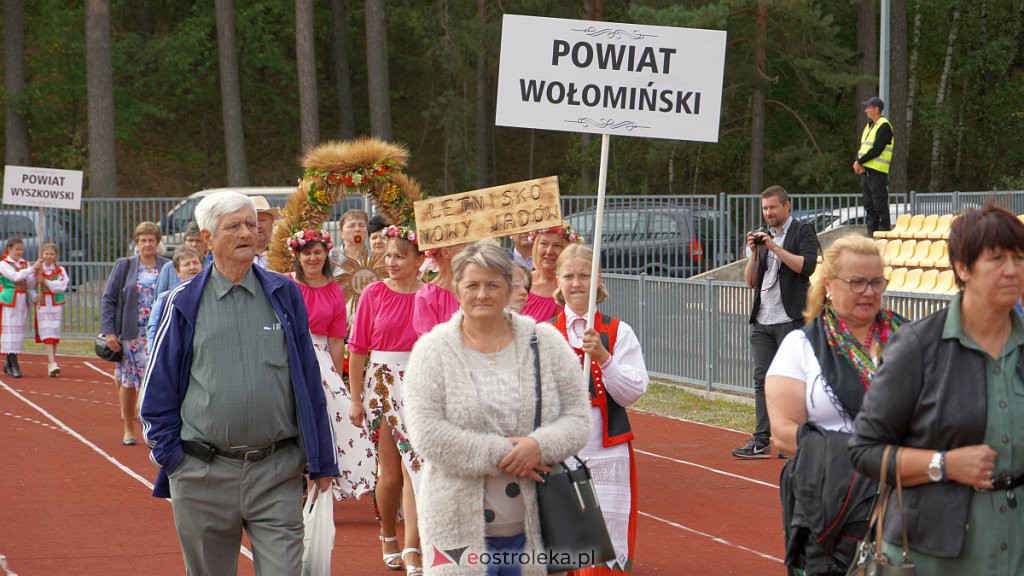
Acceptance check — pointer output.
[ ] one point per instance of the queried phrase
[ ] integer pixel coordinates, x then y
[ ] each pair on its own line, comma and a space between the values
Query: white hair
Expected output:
215, 206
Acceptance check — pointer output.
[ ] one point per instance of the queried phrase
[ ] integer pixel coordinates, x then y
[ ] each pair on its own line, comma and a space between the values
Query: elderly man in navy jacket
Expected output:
232, 404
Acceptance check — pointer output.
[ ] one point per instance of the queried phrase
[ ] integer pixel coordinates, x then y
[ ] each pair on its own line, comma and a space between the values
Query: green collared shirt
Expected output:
994, 544
240, 392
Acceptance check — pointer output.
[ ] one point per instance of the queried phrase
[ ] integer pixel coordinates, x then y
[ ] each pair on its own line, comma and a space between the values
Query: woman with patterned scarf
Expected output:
814, 390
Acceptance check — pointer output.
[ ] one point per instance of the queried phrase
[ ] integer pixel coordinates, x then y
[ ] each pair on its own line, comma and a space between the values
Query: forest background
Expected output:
167, 98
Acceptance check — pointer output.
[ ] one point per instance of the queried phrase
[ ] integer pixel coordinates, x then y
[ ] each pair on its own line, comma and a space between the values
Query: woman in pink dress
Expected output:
435, 302
381, 331
325, 303
547, 247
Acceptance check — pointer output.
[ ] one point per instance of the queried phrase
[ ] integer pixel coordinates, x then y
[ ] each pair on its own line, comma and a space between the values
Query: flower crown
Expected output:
402, 232
303, 237
565, 231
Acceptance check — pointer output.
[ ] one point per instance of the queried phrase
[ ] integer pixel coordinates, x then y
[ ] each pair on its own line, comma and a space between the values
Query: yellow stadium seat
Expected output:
887, 272
906, 252
941, 227
935, 253
928, 280
912, 280
920, 253
927, 226
892, 249
896, 278
946, 283
916, 221
1021, 217
943, 261
901, 225
881, 243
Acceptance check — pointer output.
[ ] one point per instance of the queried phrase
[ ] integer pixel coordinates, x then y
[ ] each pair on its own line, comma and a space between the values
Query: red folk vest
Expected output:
616, 422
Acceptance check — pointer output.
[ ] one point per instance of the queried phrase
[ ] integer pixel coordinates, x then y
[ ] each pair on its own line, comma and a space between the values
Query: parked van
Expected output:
61, 228
173, 225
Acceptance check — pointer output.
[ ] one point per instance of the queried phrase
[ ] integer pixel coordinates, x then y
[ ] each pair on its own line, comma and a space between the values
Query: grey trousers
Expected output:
764, 343
214, 501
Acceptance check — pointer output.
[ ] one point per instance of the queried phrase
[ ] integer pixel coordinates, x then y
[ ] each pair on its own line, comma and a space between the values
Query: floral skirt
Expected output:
357, 459
385, 406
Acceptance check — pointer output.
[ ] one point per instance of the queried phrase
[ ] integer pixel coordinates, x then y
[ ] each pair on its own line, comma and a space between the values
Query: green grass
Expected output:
680, 402
67, 347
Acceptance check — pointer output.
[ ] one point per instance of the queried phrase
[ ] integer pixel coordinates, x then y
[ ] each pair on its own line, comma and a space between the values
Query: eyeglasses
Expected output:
860, 285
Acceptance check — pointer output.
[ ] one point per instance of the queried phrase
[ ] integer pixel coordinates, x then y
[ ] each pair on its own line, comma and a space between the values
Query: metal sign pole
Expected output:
595, 267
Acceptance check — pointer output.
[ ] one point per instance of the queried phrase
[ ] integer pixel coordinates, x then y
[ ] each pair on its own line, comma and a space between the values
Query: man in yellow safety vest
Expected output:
873, 160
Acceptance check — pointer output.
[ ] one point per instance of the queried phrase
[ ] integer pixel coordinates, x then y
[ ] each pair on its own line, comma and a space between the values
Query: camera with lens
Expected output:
757, 234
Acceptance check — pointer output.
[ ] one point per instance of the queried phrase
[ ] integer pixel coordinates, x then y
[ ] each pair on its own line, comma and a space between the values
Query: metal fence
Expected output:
697, 331
664, 237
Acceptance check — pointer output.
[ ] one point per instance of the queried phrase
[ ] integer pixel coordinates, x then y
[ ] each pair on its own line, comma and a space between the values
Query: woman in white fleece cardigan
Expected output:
470, 411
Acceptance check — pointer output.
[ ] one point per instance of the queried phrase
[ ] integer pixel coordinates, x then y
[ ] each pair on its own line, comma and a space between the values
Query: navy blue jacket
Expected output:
170, 363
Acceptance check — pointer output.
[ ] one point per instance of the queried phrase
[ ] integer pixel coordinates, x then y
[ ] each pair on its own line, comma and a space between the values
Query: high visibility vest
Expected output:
867, 141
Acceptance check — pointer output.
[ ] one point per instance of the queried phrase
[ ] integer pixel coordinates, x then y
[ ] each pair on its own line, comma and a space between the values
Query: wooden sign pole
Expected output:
595, 266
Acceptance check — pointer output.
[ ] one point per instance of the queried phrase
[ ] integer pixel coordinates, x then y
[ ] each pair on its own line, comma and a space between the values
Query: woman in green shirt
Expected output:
951, 393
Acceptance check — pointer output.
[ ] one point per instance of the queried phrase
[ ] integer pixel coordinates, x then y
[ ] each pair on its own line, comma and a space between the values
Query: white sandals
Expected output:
412, 570
392, 561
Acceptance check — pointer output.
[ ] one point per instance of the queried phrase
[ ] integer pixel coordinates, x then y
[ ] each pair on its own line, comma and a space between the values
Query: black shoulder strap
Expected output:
536, 377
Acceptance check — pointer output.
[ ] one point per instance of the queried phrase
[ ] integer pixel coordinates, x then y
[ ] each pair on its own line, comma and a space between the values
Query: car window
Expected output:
20, 226
622, 225
582, 223
662, 225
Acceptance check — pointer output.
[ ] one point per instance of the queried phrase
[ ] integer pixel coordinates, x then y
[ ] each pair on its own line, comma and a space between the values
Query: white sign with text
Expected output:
608, 78
42, 187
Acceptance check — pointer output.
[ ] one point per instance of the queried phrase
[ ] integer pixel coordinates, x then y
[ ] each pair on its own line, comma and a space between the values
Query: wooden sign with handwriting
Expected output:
488, 213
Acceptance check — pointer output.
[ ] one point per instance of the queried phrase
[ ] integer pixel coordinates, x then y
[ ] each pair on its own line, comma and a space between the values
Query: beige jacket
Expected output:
448, 430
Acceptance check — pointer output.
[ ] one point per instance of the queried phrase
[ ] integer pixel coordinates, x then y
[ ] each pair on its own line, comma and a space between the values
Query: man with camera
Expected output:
783, 257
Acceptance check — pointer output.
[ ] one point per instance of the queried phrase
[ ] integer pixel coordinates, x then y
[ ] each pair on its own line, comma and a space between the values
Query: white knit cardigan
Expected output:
460, 449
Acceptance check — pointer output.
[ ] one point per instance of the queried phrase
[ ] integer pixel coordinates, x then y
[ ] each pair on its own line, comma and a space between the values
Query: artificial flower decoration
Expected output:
402, 232
304, 237
565, 231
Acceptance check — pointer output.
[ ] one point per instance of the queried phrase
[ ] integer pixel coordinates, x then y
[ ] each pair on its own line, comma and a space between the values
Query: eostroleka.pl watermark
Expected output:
460, 557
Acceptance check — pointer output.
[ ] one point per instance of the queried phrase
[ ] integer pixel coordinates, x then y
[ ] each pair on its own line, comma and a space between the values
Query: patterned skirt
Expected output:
357, 459
13, 325
385, 405
614, 472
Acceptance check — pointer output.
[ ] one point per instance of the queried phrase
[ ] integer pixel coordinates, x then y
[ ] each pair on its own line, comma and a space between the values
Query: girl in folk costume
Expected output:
17, 279
618, 378
52, 281
325, 303
381, 331
435, 300
547, 247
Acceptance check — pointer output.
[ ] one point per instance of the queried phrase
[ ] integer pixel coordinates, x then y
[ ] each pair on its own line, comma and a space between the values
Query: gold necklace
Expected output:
492, 358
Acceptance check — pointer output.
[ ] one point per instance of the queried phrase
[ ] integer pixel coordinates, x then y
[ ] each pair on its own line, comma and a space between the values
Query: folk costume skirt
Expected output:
357, 458
385, 406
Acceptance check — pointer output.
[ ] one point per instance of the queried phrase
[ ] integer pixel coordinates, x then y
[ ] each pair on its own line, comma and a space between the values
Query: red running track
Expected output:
75, 501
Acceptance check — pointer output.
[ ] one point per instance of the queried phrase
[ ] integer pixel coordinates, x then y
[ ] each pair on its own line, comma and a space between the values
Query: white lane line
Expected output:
104, 372
245, 551
7, 569
713, 538
43, 424
678, 419
67, 397
708, 468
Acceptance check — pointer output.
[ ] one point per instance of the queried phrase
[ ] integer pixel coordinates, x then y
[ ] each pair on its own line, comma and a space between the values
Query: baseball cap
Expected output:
874, 101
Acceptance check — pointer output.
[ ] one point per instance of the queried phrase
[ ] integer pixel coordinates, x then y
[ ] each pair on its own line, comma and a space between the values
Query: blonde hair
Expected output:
50, 246
829, 267
581, 252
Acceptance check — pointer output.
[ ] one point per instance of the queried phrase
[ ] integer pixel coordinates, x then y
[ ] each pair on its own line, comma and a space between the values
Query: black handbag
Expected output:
103, 351
571, 522
870, 560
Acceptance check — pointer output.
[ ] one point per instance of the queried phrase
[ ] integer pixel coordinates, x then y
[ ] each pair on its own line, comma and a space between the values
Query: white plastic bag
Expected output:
318, 542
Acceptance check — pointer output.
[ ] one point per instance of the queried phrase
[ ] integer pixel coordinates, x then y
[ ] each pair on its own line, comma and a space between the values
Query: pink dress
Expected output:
357, 461
434, 305
383, 330
540, 308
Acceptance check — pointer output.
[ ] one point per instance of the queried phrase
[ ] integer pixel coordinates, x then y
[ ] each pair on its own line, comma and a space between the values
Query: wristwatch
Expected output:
937, 467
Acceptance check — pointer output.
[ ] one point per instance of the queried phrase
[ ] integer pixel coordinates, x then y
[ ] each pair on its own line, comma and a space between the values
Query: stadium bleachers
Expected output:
916, 255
